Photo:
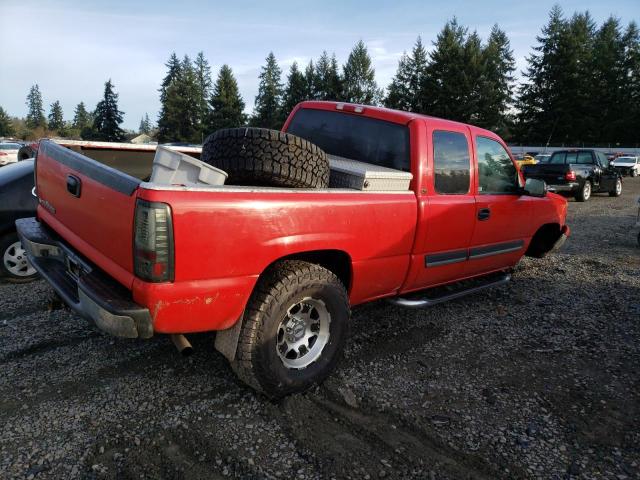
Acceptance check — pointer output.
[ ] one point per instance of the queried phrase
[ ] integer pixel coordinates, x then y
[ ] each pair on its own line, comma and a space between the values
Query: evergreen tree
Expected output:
328, 85
35, 114
81, 118
399, 94
405, 91
310, 82
107, 116
145, 125
496, 86
56, 118
445, 88
203, 81
296, 90
607, 98
179, 96
629, 132
226, 105
268, 103
6, 126
359, 84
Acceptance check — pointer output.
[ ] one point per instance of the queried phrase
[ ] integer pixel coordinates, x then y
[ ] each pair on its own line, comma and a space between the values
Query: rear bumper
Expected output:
567, 187
87, 290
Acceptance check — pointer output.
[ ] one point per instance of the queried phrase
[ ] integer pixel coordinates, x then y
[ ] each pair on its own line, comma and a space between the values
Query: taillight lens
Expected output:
570, 175
153, 242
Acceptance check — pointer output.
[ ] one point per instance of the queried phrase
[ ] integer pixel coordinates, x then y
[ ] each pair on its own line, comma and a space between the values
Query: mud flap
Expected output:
227, 340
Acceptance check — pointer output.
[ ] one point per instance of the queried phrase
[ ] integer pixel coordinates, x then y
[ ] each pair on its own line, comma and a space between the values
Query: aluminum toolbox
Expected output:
347, 173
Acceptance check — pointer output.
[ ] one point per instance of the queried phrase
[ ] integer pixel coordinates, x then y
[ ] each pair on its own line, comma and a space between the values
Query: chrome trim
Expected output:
249, 189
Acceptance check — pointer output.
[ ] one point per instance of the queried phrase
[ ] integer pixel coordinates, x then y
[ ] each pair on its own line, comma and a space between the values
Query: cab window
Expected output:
496, 171
451, 163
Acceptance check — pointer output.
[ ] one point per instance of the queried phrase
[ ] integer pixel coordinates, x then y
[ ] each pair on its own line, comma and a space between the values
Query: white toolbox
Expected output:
174, 168
347, 173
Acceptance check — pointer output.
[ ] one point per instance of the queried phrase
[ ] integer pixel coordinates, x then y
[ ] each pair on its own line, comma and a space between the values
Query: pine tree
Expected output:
359, 84
268, 103
328, 84
6, 125
145, 125
496, 86
405, 91
608, 81
107, 116
629, 133
35, 114
203, 81
536, 121
226, 105
310, 81
56, 117
445, 87
179, 96
81, 118
296, 90
399, 94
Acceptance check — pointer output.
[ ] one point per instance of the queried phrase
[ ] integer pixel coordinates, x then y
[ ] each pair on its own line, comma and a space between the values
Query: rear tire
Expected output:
617, 190
584, 193
262, 157
277, 353
14, 266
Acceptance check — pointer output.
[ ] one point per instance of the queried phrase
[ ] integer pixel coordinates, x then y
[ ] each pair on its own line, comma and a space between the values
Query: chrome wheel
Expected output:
16, 262
586, 190
303, 333
618, 187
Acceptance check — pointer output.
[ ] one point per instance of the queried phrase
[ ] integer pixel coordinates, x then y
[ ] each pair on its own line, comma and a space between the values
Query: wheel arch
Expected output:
543, 240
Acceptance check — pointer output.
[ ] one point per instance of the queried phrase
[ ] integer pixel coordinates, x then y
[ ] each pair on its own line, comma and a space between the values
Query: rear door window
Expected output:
585, 158
451, 163
496, 172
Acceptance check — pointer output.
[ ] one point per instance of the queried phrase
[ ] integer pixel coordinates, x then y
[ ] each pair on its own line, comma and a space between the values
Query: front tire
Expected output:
293, 330
14, 265
584, 193
617, 190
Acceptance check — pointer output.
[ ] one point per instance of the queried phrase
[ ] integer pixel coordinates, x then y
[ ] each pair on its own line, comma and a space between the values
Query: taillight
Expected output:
570, 175
153, 242
3, 154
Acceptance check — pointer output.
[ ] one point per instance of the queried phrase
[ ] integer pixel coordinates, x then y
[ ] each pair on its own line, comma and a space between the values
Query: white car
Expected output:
9, 153
627, 165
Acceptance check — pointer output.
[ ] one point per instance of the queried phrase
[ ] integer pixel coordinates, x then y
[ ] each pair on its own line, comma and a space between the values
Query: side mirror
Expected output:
535, 188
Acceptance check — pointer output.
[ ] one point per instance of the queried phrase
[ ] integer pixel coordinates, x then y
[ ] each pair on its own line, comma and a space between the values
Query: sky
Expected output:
70, 48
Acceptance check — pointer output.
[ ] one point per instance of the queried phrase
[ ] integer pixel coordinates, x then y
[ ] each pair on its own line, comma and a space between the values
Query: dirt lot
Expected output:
538, 379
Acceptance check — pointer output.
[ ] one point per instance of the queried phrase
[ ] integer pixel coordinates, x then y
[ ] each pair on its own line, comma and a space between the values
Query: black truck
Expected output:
577, 172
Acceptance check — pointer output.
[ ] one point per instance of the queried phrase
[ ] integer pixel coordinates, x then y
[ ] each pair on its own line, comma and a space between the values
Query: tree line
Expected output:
581, 85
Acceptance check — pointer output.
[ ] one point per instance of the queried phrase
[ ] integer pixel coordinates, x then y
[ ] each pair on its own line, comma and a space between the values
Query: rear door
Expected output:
608, 175
502, 215
446, 208
90, 205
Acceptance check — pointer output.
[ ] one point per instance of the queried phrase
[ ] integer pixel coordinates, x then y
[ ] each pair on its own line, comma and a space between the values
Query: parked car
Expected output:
577, 172
627, 165
525, 159
542, 157
16, 201
8, 153
348, 204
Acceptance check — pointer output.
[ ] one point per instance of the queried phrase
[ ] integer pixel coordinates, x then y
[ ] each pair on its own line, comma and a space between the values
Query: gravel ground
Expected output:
537, 379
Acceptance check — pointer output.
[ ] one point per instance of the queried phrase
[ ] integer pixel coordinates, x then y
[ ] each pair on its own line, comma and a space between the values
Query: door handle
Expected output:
74, 185
484, 214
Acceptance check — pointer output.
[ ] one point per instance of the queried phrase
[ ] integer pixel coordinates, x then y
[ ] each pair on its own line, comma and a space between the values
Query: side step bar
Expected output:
424, 301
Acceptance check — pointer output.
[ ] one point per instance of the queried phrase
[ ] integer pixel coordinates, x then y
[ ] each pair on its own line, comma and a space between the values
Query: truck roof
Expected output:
382, 113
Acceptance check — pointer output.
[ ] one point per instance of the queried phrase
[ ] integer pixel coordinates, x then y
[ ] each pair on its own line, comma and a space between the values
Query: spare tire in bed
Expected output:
26, 152
263, 157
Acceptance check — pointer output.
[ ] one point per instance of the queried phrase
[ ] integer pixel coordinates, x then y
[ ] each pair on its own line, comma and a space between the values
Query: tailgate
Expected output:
551, 174
90, 205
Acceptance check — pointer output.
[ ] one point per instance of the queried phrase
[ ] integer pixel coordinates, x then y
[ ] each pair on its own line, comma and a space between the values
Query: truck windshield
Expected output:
354, 137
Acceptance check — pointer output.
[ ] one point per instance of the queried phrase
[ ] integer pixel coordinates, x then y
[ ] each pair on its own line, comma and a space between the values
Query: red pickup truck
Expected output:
276, 270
